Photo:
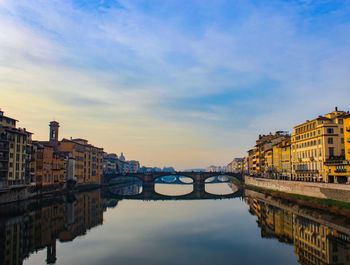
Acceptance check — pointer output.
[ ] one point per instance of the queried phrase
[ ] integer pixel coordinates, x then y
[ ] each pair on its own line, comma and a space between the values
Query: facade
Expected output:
281, 160
252, 161
47, 165
215, 169
15, 152
110, 164
88, 160
236, 166
260, 159
338, 168
134, 166
313, 143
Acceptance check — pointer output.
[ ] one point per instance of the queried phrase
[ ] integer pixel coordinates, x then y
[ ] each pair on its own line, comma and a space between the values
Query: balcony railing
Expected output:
306, 171
340, 170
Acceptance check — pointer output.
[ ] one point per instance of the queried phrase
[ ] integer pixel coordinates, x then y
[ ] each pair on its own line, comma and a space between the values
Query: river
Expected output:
97, 227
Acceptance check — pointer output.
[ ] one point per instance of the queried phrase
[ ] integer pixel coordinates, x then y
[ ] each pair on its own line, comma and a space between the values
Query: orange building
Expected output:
88, 167
47, 166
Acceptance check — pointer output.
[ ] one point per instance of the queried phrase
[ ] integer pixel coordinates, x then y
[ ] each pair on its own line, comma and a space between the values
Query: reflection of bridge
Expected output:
199, 179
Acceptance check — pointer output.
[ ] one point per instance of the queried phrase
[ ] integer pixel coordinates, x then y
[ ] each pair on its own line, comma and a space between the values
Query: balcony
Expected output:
333, 160
340, 170
306, 171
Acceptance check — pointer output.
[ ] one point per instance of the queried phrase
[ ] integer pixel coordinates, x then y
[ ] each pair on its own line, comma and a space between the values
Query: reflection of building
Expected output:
316, 241
31, 230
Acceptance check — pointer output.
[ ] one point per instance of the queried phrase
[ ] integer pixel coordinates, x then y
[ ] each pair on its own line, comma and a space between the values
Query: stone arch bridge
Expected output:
198, 181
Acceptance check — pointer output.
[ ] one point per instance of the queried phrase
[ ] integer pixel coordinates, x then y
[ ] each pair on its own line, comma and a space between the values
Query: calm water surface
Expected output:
97, 228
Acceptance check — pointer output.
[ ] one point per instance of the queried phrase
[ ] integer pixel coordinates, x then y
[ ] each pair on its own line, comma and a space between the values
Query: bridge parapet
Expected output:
195, 176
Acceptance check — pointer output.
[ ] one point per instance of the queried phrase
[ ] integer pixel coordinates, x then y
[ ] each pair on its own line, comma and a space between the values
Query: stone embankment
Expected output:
27, 193
338, 192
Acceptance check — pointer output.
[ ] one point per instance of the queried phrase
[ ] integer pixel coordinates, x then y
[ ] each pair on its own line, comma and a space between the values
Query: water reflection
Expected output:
232, 231
28, 227
220, 188
173, 189
317, 237
126, 186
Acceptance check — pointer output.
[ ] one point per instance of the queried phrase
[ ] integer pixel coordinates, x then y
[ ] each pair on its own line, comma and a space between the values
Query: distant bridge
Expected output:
195, 176
199, 179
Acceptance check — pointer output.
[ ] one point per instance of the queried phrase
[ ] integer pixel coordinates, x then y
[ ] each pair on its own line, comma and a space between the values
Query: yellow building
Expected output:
268, 162
338, 168
88, 160
262, 155
313, 143
282, 159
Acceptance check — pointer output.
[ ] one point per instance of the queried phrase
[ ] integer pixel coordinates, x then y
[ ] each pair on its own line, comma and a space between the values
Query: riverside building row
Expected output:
318, 150
24, 162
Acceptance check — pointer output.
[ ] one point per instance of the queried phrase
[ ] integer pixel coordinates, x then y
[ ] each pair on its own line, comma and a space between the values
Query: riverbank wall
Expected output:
27, 193
338, 192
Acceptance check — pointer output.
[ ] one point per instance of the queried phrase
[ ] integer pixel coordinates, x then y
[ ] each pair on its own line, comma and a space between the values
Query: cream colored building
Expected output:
14, 153
338, 168
313, 143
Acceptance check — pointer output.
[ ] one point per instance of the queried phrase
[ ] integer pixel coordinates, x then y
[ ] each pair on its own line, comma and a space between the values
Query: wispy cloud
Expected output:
210, 74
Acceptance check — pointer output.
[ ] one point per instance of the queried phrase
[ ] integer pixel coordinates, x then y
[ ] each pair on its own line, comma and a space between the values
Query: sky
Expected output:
173, 82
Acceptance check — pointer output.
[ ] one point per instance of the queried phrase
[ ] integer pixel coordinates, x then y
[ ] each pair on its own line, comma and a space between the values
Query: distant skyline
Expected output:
173, 83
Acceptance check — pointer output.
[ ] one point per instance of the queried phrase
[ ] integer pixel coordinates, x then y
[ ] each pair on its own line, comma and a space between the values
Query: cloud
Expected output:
220, 71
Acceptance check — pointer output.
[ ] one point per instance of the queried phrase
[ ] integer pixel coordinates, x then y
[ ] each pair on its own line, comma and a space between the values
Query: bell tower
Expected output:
54, 125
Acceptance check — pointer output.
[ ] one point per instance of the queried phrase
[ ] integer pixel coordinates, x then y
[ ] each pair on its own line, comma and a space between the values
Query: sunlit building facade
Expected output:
313, 143
338, 168
15, 152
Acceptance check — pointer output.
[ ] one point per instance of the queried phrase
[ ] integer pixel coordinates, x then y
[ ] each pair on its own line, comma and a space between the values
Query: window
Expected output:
342, 140
331, 151
330, 130
330, 140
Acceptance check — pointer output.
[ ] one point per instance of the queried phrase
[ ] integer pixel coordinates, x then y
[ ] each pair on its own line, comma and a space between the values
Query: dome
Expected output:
121, 157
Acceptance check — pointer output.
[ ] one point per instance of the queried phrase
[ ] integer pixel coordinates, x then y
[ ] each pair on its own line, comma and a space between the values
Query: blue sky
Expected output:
183, 83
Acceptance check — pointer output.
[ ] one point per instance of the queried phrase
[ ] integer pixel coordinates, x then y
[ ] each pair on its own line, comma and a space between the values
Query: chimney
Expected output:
336, 108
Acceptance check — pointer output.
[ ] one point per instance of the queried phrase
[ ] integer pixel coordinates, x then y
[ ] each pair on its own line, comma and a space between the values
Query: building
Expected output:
235, 166
88, 168
261, 157
338, 168
313, 143
110, 164
215, 169
47, 165
15, 152
134, 166
281, 159
252, 161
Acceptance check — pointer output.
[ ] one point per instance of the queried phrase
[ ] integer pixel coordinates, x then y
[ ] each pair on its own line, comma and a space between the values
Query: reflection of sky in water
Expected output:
173, 189
174, 232
219, 188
